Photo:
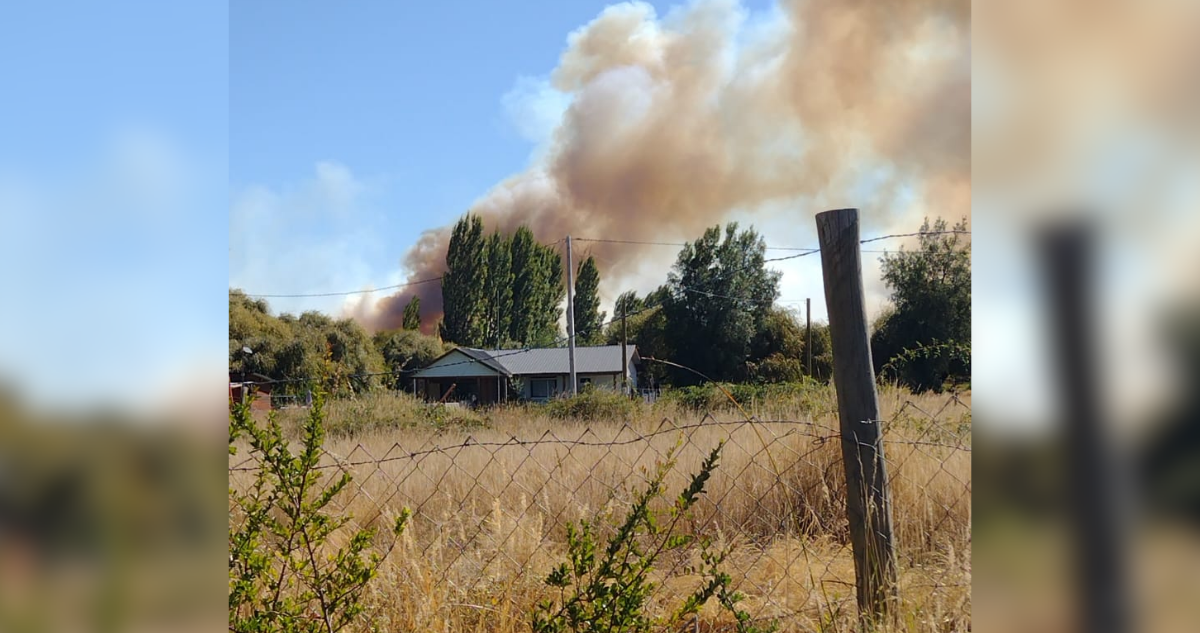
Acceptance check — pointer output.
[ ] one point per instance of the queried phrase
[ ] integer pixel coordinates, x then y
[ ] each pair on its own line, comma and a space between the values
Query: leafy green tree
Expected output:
648, 331
822, 353
627, 303
781, 333
924, 341
251, 325
588, 316
554, 294
719, 294
317, 345
353, 353
498, 293
463, 283
528, 276
776, 349
405, 350
301, 359
537, 291
657, 297
412, 314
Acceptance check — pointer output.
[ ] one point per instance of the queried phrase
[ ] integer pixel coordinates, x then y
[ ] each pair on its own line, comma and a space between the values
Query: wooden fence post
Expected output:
1097, 481
868, 500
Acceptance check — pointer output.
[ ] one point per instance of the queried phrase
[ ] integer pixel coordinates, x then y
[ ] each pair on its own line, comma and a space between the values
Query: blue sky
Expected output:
410, 91
113, 204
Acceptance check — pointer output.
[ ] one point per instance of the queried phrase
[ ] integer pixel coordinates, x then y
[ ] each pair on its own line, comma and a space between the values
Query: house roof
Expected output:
605, 359
485, 358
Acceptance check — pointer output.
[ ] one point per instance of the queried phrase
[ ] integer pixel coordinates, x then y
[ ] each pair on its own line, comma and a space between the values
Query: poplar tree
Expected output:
527, 276
463, 284
498, 293
588, 316
412, 314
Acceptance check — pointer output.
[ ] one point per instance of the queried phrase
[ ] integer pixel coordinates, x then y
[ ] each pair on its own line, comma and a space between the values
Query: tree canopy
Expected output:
405, 350
412, 314
924, 341
588, 316
463, 283
500, 290
719, 293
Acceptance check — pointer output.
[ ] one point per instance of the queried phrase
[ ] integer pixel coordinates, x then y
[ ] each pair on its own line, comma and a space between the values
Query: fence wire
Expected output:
490, 510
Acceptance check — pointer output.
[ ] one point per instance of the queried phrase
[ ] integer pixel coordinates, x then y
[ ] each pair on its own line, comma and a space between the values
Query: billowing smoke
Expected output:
675, 122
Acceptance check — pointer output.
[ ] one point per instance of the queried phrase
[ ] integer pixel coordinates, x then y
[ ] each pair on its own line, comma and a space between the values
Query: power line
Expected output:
805, 252
808, 249
885, 237
349, 292
721, 296
680, 244
780, 259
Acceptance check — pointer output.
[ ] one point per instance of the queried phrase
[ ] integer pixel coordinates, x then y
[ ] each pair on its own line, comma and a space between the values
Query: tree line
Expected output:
716, 314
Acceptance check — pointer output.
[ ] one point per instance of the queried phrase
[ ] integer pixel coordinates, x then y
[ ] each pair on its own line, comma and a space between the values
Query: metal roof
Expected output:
605, 359
485, 358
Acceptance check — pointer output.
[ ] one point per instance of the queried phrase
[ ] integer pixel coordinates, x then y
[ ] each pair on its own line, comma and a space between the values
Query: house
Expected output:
243, 385
486, 376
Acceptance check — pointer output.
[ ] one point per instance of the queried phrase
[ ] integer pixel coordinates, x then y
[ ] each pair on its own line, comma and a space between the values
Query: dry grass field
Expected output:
493, 492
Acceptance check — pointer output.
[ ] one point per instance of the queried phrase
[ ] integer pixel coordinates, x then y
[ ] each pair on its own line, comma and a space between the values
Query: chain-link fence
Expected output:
490, 510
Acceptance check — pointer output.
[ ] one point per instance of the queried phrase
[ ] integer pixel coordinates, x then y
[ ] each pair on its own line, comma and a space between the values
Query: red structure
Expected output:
257, 387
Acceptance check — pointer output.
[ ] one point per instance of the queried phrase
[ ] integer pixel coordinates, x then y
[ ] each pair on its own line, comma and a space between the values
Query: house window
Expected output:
541, 388
583, 382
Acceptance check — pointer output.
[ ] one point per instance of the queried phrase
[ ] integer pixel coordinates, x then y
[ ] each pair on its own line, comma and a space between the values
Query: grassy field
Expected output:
492, 493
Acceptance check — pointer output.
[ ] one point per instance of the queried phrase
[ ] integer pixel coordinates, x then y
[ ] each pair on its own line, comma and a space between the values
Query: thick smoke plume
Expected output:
675, 122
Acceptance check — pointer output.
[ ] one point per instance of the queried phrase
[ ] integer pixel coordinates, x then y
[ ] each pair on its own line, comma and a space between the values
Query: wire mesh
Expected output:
490, 509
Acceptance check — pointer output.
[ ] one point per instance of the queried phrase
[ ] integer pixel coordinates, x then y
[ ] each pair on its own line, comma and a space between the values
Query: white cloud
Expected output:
535, 108
336, 189
316, 237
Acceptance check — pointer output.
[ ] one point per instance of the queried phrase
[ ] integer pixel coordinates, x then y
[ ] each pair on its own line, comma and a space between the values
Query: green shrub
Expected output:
382, 411
695, 397
592, 405
280, 578
606, 587
712, 396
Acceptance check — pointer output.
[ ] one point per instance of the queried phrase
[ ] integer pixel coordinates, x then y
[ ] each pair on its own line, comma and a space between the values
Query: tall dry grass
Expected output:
492, 495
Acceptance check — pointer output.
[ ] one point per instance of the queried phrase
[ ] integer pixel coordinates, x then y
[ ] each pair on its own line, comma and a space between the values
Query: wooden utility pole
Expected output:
868, 500
571, 316
624, 359
808, 334
1098, 482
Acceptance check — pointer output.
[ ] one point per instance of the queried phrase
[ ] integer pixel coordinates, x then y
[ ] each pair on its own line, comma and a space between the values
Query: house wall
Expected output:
560, 382
487, 389
611, 382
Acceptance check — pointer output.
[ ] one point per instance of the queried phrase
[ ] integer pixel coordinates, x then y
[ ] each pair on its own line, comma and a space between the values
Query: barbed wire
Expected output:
547, 438
806, 251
